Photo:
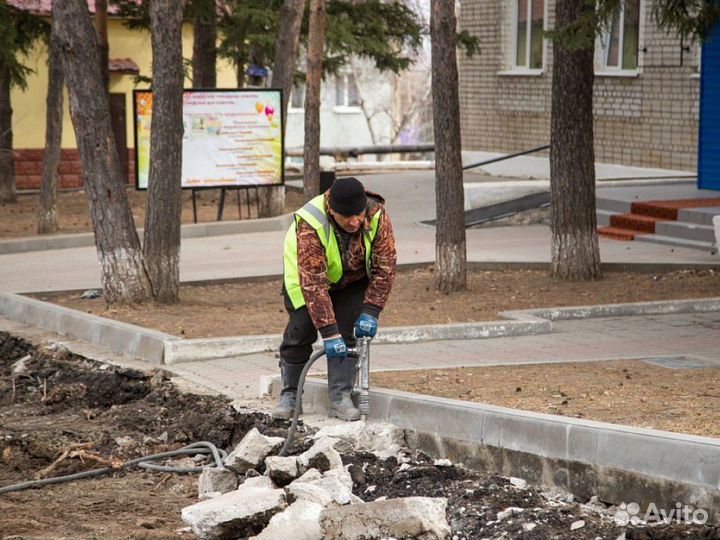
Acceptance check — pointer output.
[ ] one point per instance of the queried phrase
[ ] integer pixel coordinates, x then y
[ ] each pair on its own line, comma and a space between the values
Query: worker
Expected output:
339, 267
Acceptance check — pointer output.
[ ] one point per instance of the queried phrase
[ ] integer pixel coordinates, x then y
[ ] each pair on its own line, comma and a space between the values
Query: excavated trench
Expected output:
54, 404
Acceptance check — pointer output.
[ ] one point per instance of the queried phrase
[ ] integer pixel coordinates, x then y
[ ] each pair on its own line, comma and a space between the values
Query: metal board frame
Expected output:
278, 113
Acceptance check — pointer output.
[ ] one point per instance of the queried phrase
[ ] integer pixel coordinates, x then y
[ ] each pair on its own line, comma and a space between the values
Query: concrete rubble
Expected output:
281, 469
301, 497
321, 456
252, 451
299, 521
243, 512
310, 496
509, 512
411, 517
216, 480
259, 482
518, 482
329, 490
384, 440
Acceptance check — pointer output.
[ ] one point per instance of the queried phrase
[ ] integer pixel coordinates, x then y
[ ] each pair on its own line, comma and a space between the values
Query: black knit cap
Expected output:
347, 196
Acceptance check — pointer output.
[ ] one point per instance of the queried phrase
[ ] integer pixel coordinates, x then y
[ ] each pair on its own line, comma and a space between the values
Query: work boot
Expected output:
285, 407
341, 375
344, 409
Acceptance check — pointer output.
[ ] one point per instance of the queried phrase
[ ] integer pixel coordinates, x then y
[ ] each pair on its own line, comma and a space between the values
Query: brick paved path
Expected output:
696, 335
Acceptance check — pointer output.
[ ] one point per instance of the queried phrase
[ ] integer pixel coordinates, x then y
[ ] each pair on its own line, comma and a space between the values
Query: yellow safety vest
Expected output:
314, 214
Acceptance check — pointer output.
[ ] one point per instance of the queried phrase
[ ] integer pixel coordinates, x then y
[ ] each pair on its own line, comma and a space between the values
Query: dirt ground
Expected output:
51, 401
61, 400
20, 219
240, 308
631, 392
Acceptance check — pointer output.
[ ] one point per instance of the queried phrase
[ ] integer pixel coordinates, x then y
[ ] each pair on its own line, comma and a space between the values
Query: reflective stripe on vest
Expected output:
313, 213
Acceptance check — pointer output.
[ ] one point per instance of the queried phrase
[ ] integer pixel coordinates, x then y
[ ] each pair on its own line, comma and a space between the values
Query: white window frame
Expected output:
698, 67
602, 47
516, 69
292, 93
345, 106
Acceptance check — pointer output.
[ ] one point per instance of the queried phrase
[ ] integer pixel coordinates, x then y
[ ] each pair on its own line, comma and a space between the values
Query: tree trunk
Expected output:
272, 200
162, 219
204, 57
121, 261
47, 218
7, 161
311, 152
101, 19
240, 62
575, 252
450, 248
291, 15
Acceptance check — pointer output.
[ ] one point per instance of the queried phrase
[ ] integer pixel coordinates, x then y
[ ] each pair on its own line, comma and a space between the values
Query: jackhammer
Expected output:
361, 387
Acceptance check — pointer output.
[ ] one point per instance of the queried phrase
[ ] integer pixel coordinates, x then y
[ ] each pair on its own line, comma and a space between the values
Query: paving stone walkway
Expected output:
410, 198
695, 335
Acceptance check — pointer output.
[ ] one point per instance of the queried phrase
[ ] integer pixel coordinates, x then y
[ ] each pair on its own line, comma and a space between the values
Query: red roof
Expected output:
123, 65
44, 7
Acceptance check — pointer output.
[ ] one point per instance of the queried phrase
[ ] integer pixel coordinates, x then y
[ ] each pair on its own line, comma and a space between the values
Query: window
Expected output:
621, 41
529, 21
346, 91
297, 96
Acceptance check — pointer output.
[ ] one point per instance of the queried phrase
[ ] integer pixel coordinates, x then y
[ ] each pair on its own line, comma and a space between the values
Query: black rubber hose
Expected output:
352, 353
203, 447
298, 401
195, 448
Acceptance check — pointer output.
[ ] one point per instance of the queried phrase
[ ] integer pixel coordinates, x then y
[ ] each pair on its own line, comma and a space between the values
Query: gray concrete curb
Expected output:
193, 350
519, 323
119, 337
195, 230
45, 243
619, 463
663, 307
157, 347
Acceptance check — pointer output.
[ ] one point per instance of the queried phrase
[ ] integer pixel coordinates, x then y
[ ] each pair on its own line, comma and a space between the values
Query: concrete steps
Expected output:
603, 217
678, 242
686, 231
614, 206
617, 233
702, 216
634, 222
684, 222
628, 226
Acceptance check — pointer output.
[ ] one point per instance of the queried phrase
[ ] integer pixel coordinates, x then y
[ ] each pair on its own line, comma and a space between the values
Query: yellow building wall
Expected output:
29, 106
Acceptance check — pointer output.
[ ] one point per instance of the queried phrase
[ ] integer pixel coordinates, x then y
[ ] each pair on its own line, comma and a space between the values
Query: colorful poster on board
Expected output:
230, 138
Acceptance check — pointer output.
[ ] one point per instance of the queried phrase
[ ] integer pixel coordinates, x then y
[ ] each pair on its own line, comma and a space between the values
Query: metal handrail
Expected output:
350, 151
344, 152
501, 158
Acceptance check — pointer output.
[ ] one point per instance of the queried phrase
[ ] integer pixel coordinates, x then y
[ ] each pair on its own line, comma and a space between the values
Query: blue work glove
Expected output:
366, 326
335, 348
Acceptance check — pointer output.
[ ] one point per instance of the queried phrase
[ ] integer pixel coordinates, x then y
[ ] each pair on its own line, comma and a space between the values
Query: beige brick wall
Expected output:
650, 119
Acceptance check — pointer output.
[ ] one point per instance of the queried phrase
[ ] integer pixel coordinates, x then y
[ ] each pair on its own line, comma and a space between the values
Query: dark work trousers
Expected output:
300, 333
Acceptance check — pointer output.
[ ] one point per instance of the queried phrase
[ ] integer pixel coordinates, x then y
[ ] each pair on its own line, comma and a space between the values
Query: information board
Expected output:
231, 138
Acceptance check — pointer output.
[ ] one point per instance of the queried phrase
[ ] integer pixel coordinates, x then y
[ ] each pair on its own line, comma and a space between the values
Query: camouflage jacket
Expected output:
312, 266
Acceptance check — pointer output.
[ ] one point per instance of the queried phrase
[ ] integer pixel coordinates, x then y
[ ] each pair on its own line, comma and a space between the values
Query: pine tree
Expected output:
19, 31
